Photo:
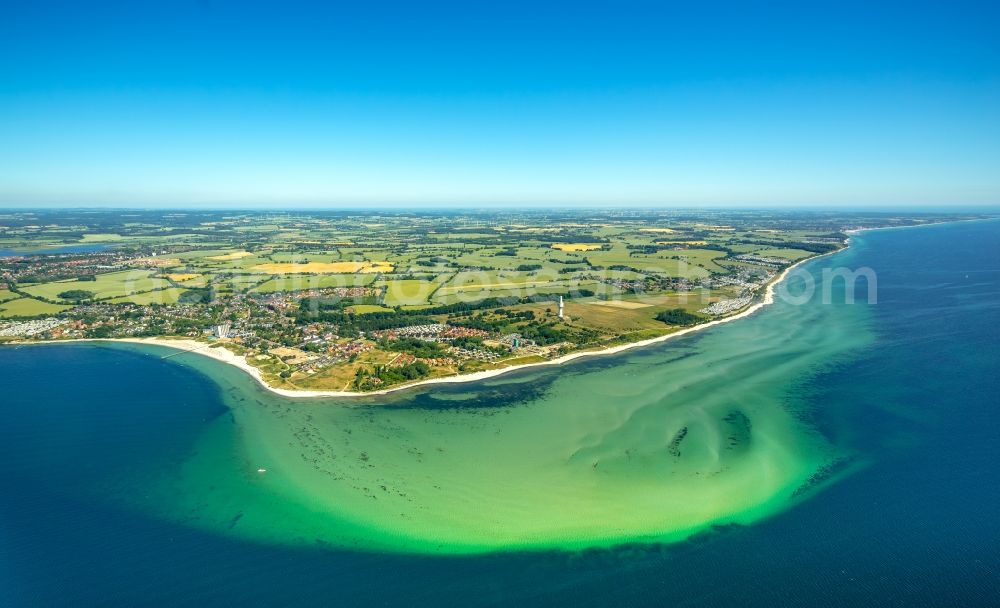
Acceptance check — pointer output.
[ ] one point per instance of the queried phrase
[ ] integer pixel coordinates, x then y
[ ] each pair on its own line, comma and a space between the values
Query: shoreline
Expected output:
853, 231
220, 353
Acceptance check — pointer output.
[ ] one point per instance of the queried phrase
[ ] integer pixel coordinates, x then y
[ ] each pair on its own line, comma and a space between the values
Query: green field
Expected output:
300, 282
365, 308
110, 285
169, 295
788, 254
408, 292
27, 307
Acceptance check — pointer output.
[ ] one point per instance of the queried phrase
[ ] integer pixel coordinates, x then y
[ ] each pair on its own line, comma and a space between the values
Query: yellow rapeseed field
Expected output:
576, 246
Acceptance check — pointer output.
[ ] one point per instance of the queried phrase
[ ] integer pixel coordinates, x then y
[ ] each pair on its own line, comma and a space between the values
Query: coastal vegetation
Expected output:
679, 316
346, 301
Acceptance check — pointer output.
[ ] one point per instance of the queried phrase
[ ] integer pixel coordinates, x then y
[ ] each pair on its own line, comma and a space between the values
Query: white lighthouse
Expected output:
560, 307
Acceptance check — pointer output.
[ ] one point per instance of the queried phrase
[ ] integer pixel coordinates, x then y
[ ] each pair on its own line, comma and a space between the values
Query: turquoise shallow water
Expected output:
871, 423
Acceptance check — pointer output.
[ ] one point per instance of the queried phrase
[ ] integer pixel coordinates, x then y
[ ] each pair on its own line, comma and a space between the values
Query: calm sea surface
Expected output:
833, 454
92, 248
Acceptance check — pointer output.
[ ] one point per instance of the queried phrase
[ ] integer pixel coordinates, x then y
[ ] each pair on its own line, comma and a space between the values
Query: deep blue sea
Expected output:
919, 525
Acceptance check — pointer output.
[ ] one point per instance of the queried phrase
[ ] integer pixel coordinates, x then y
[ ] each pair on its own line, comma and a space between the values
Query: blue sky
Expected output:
240, 103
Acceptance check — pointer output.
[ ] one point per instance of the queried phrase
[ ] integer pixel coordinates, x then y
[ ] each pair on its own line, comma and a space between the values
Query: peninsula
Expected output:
343, 304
